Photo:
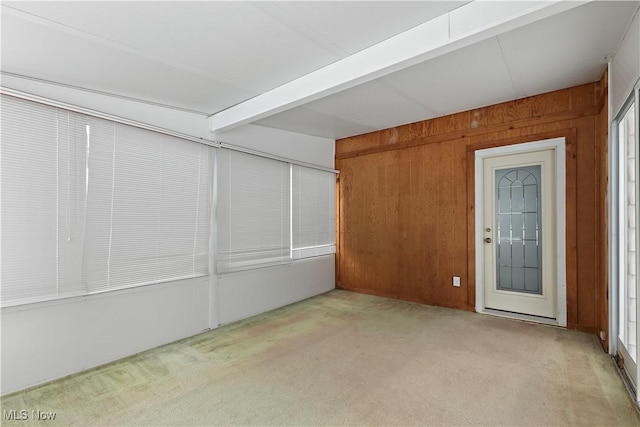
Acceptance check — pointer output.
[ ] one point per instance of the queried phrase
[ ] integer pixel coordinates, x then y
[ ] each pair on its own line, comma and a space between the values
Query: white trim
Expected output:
520, 316
612, 221
616, 241
558, 145
290, 211
637, 122
214, 306
36, 304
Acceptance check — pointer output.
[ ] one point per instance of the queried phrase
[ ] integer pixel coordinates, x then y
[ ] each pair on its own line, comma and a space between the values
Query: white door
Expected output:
519, 233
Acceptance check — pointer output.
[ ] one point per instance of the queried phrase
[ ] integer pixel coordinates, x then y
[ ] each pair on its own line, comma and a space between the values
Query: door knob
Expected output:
487, 240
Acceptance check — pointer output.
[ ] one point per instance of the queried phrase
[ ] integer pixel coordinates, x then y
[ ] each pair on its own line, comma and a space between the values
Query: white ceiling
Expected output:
208, 57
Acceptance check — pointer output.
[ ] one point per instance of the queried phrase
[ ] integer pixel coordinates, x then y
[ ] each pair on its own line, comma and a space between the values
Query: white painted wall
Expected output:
44, 341
247, 293
310, 149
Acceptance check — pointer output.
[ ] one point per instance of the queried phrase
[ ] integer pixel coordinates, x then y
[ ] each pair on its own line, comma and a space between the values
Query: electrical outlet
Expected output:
456, 281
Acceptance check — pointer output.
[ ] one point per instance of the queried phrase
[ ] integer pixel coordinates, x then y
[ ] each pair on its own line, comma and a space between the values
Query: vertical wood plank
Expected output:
430, 227
586, 227
471, 229
444, 232
413, 218
571, 241
459, 215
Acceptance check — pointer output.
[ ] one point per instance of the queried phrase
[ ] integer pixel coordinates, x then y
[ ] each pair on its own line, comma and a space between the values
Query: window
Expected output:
624, 236
313, 219
43, 199
148, 207
90, 205
253, 211
628, 217
271, 212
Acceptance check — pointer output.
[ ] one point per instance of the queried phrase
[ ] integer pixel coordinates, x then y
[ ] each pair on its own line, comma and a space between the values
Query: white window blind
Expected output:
253, 211
148, 207
90, 205
313, 223
43, 201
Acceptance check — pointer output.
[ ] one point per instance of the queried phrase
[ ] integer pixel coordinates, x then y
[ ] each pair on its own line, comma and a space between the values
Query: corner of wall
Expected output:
188, 123
296, 146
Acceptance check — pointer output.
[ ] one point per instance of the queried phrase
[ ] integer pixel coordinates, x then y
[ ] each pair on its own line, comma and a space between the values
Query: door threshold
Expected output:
520, 316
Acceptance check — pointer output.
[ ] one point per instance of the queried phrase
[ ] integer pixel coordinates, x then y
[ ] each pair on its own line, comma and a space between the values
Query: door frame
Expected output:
614, 229
558, 145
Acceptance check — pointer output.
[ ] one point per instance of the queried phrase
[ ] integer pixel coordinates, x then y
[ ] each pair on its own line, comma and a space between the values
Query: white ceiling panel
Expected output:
356, 25
481, 13
468, 78
235, 42
44, 52
567, 49
315, 123
374, 104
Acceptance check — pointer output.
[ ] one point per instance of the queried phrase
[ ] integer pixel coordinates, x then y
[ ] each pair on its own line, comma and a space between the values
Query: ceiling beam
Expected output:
469, 24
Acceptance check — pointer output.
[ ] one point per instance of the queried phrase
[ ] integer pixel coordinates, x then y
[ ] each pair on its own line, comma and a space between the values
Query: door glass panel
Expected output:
628, 238
518, 230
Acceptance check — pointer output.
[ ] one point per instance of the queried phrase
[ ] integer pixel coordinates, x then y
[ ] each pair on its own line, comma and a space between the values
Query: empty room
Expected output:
319, 213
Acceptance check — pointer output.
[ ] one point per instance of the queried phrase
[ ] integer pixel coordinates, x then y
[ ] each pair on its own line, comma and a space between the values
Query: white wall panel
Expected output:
296, 146
247, 293
625, 67
45, 341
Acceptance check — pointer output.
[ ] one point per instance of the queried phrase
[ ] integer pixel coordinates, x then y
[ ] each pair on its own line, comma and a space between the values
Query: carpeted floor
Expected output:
344, 358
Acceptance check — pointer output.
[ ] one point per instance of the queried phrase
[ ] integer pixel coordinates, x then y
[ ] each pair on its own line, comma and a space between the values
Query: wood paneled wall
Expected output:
406, 201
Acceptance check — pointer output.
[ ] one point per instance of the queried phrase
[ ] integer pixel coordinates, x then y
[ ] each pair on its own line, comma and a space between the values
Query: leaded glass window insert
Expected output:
518, 226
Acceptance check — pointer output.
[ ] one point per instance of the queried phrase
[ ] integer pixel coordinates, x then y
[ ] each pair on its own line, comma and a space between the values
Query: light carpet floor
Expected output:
344, 358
